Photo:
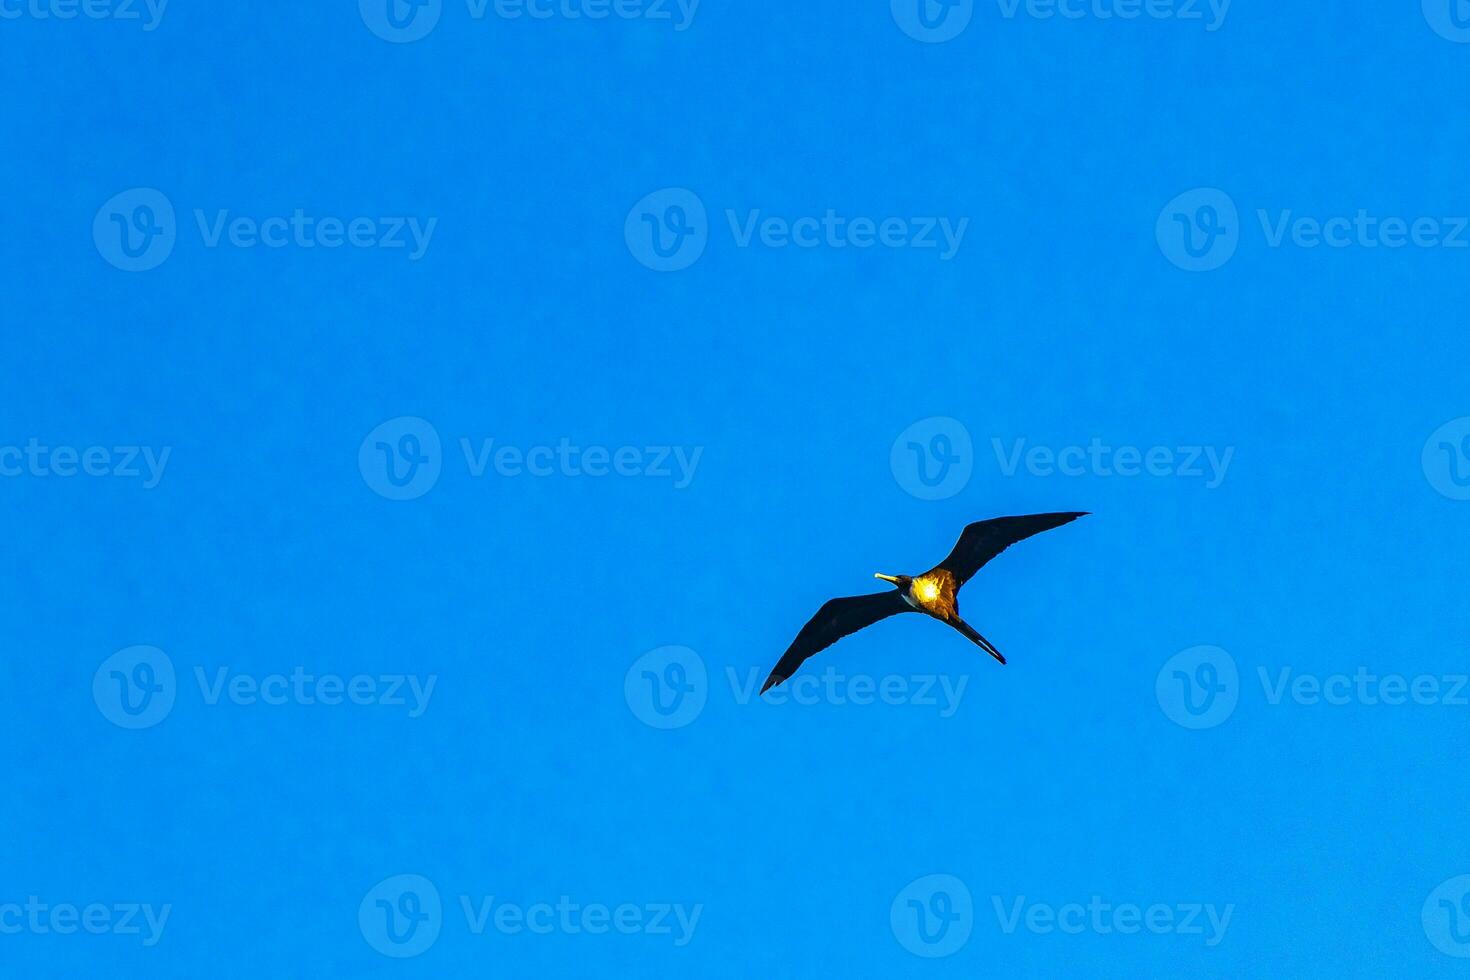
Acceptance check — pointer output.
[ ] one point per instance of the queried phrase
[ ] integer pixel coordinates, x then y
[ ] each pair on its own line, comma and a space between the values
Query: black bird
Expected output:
935, 593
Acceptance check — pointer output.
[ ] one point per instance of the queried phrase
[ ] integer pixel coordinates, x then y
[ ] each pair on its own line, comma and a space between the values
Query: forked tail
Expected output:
974, 637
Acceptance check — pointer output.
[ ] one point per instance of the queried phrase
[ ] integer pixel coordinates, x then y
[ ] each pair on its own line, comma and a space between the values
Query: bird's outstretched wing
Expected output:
836, 619
983, 540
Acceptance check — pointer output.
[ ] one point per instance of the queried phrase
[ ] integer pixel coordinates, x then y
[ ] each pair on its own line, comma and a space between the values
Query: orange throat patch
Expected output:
934, 593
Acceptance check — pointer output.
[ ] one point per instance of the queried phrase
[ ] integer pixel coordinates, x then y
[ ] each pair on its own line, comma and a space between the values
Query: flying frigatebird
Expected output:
935, 593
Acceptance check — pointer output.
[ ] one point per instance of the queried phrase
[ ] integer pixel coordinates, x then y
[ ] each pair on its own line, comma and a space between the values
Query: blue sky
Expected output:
422, 427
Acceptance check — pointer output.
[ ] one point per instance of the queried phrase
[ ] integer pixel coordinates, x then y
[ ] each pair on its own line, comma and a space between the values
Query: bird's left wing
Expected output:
836, 619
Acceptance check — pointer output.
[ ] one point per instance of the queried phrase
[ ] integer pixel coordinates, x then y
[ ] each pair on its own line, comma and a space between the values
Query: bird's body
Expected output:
934, 593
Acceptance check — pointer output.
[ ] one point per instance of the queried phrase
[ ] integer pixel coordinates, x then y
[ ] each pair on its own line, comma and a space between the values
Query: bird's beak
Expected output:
886, 578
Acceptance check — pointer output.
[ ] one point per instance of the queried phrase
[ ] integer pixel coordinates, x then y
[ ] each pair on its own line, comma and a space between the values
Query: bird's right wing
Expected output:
836, 619
983, 540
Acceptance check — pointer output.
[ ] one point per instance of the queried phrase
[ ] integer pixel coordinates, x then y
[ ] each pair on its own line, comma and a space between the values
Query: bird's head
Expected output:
899, 581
